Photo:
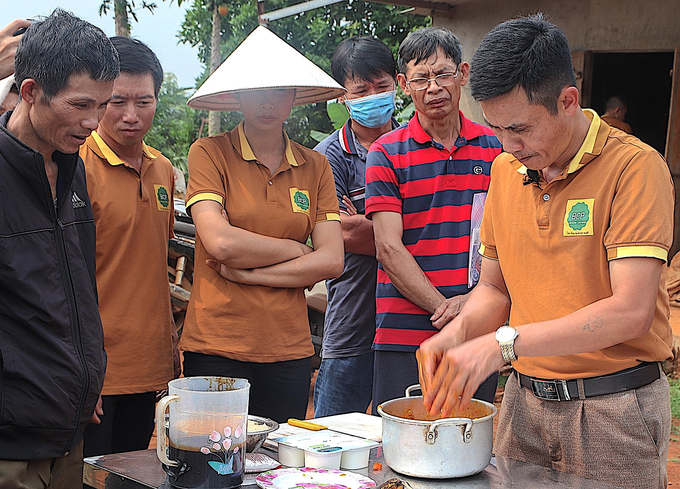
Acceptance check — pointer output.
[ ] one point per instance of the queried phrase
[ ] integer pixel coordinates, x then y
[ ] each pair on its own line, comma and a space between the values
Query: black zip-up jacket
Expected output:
52, 358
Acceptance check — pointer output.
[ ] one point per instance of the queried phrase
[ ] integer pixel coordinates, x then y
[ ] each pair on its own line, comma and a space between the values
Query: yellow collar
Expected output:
113, 158
590, 144
247, 151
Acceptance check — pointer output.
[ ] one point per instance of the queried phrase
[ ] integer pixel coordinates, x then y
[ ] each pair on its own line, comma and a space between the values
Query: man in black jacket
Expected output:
52, 358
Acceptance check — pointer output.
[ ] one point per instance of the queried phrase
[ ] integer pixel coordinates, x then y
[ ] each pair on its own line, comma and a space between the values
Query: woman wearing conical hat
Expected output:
256, 197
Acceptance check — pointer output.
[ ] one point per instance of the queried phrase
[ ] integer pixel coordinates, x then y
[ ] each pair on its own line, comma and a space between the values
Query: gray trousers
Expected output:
621, 439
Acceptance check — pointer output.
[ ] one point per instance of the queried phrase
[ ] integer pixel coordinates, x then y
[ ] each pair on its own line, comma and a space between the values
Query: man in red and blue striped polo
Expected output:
421, 181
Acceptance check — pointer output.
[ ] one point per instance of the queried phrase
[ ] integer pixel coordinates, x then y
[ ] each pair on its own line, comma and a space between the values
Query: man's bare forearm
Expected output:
357, 234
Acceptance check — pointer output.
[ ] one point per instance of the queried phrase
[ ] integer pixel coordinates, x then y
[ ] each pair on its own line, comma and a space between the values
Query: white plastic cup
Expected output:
355, 459
291, 456
326, 458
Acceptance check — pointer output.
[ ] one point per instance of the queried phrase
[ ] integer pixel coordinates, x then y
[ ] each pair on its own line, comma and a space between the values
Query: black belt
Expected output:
566, 390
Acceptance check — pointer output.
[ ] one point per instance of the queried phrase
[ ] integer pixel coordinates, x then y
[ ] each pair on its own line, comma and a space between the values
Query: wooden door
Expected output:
673, 146
582, 62
673, 136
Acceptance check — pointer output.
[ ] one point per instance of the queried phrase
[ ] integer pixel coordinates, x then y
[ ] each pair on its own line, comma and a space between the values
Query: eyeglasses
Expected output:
442, 80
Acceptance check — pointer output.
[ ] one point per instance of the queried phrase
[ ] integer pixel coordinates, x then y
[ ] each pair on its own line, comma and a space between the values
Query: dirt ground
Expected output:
674, 455
674, 445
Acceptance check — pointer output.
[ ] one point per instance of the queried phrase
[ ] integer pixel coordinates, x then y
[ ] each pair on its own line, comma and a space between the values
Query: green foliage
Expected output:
123, 10
338, 114
502, 380
315, 34
405, 114
175, 125
131, 7
675, 397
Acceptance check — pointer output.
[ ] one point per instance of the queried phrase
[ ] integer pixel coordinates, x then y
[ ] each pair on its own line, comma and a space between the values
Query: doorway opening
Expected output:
644, 81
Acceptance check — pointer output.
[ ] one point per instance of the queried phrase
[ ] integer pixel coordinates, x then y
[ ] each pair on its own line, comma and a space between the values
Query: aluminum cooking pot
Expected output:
419, 445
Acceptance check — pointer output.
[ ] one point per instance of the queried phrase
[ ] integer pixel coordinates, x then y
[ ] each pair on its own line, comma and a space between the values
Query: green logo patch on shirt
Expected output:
578, 219
299, 199
162, 197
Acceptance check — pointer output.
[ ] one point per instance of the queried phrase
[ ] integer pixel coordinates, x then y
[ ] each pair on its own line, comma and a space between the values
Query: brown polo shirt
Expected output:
614, 200
246, 322
133, 213
617, 123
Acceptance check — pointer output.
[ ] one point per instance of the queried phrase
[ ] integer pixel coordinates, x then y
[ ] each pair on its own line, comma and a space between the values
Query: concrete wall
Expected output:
590, 25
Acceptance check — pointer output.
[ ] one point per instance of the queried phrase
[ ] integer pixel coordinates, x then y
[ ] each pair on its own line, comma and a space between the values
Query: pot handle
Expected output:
161, 430
465, 423
411, 388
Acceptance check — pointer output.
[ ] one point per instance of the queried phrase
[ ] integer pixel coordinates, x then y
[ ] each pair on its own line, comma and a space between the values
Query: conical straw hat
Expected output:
5, 87
264, 60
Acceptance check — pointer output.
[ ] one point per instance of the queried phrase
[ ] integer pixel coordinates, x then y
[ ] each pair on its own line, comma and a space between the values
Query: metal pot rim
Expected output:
441, 421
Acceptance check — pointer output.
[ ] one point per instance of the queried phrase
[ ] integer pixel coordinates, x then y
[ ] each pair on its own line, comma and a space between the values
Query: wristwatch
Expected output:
505, 335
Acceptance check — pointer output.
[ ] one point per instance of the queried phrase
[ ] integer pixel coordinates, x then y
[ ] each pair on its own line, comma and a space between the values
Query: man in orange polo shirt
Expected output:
615, 115
131, 189
575, 239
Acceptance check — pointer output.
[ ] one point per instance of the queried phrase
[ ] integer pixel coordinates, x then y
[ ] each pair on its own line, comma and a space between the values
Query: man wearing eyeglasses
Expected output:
421, 181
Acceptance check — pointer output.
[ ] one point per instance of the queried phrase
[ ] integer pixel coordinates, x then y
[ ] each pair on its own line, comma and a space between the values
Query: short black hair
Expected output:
528, 52
423, 43
616, 102
62, 45
136, 58
362, 57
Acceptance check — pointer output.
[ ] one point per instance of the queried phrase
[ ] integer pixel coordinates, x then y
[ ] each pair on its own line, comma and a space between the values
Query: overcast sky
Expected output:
158, 30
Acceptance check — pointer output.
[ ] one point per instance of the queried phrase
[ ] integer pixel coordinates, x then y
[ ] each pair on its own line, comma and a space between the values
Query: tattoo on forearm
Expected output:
594, 323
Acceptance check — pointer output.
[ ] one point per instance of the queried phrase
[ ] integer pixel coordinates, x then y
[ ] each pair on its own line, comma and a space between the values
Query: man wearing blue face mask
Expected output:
366, 68
372, 111
423, 181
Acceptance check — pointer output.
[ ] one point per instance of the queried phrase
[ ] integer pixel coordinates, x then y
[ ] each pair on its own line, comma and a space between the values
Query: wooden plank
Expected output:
673, 147
582, 61
673, 135
578, 61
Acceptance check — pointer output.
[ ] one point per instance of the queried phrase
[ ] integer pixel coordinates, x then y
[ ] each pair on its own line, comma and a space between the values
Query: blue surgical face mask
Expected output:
373, 110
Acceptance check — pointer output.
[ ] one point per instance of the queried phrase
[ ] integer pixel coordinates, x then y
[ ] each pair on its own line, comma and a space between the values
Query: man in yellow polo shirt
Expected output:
576, 232
131, 189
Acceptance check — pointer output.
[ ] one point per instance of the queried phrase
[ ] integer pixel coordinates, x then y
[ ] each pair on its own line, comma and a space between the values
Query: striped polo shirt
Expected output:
410, 173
